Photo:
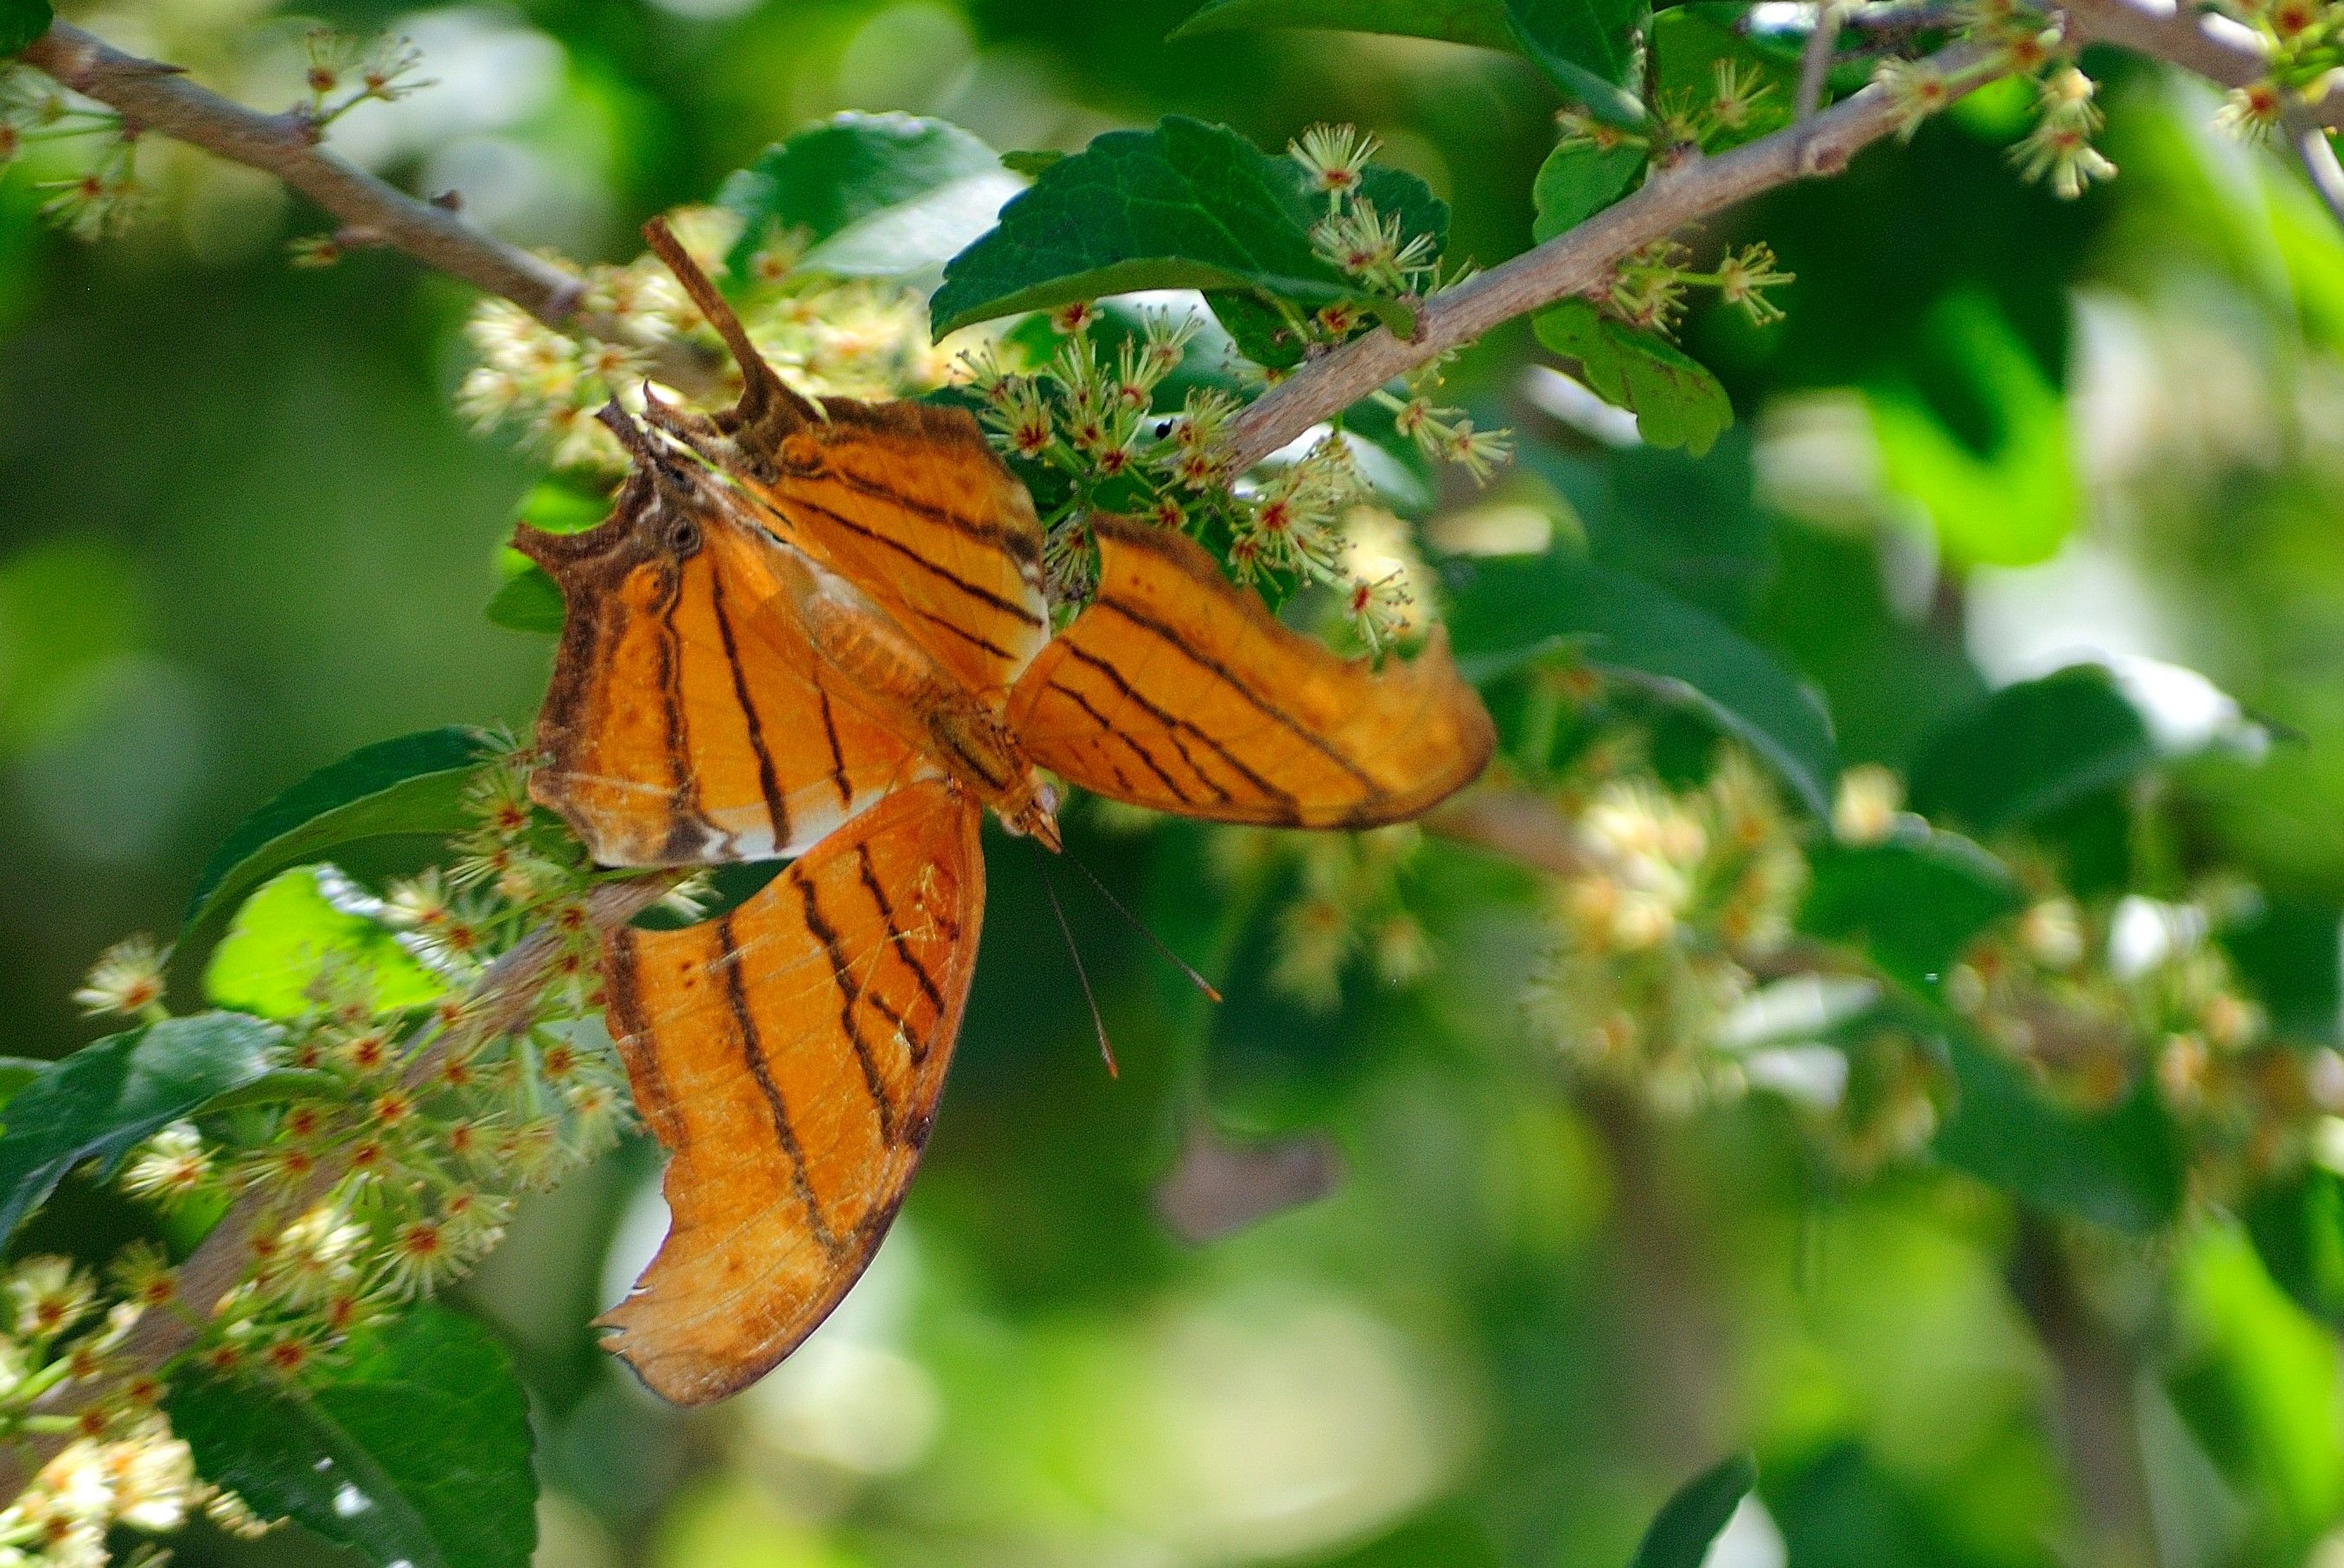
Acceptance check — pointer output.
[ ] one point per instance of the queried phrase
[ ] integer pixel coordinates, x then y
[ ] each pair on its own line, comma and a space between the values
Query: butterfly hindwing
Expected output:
1177, 691
688, 719
789, 1056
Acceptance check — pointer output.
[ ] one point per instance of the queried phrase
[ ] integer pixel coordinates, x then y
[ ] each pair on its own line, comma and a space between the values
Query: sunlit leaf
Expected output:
2297, 1225
1185, 205
108, 1097
412, 785
1587, 46
1511, 610
870, 194
2004, 493
1676, 401
290, 936
1689, 1523
412, 1449
2256, 1381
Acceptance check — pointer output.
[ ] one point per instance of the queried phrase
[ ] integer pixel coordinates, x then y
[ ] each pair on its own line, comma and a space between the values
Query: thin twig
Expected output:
2207, 42
499, 1004
1815, 60
161, 98
2318, 155
1576, 261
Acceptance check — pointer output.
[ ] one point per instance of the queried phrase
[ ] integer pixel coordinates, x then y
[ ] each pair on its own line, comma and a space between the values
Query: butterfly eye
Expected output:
683, 536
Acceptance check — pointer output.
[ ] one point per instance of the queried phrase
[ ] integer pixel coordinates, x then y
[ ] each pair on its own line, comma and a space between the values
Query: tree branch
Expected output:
2214, 45
499, 1004
1577, 261
153, 96
2318, 155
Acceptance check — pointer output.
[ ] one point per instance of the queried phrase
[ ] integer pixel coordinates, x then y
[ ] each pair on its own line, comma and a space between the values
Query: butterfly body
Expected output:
819, 631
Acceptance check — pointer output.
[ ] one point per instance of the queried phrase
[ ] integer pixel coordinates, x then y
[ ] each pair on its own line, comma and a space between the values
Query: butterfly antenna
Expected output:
1177, 962
1082, 974
768, 408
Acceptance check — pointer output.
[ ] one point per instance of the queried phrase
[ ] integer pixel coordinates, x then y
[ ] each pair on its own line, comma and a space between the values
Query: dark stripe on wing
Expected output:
1147, 757
1228, 677
850, 992
1023, 544
768, 779
753, 1052
977, 591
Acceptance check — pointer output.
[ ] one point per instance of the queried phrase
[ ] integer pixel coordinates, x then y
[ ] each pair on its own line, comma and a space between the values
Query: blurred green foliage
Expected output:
244, 535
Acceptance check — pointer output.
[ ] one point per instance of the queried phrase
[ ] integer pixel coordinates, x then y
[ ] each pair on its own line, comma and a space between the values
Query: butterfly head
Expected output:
1036, 817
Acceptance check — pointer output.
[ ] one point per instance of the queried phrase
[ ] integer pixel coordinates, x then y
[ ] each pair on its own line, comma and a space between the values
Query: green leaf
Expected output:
15, 1072
1676, 401
2118, 1168
875, 195
2297, 1225
1030, 161
414, 784
526, 598
1998, 482
2254, 1380
1912, 903
1480, 22
1689, 1523
1688, 44
2032, 748
1578, 181
416, 1449
1587, 46
290, 935
1185, 205
1513, 610
110, 1096
21, 22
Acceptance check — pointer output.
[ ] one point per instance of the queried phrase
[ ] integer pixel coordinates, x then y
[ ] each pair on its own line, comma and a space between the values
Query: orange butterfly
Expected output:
818, 629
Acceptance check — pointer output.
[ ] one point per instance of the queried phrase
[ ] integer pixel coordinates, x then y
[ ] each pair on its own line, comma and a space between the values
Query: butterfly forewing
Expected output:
1177, 691
789, 1056
688, 719
910, 503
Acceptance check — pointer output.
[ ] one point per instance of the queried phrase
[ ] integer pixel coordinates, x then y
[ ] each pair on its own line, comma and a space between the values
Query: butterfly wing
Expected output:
690, 719
909, 502
1177, 691
789, 1055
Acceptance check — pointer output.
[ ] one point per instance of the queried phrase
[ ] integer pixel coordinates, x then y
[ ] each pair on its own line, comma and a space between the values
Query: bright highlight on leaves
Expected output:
290, 944
868, 196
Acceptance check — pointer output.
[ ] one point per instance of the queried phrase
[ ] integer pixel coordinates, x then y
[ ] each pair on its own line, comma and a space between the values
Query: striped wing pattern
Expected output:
689, 720
789, 1055
910, 502
1176, 691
